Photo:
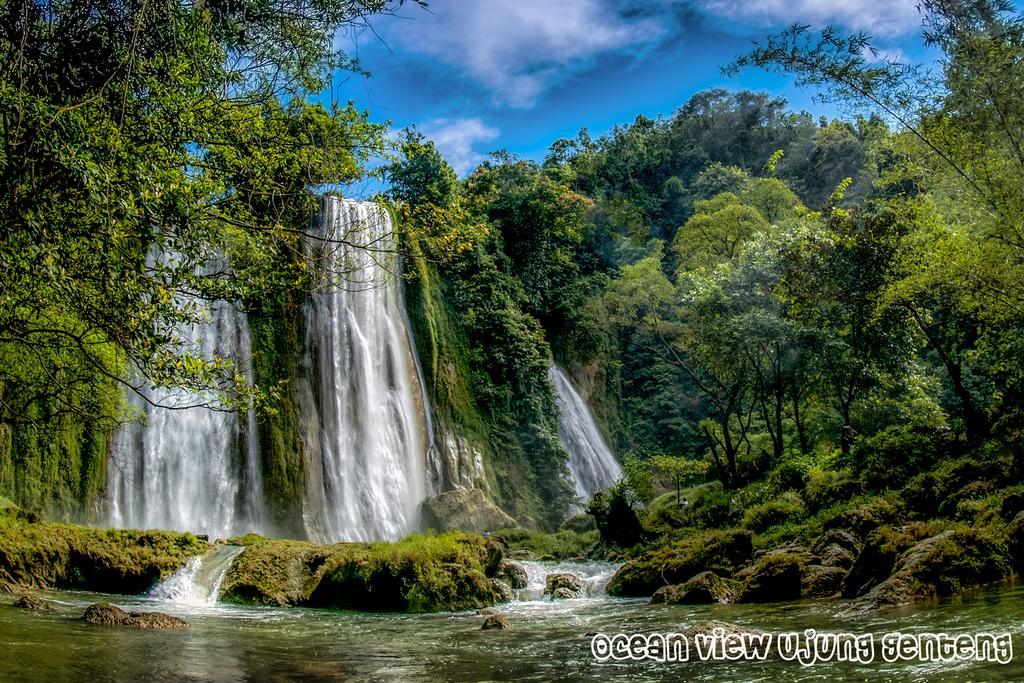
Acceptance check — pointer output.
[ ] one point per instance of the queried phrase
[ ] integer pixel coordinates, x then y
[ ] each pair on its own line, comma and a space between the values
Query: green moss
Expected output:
786, 509
56, 463
275, 328
44, 555
566, 544
722, 552
420, 573
444, 351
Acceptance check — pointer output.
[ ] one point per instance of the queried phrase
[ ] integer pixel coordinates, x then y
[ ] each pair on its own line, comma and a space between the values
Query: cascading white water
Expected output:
191, 468
591, 463
198, 582
364, 422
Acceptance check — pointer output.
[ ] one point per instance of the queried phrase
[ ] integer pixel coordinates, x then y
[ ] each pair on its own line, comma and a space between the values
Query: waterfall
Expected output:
364, 419
591, 463
190, 467
198, 582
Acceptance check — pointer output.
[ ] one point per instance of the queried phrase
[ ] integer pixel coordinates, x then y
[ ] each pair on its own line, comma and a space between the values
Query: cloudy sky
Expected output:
481, 75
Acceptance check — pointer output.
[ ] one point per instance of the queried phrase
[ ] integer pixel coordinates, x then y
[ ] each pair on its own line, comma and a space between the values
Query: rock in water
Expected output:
703, 589
514, 574
496, 622
31, 602
563, 585
109, 615
464, 510
502, 591
773, 578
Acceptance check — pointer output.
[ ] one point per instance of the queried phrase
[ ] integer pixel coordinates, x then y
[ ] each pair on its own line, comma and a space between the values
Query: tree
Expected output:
140, 144
679, 471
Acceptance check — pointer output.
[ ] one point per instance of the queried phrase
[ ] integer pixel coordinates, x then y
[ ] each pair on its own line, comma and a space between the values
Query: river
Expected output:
548, 641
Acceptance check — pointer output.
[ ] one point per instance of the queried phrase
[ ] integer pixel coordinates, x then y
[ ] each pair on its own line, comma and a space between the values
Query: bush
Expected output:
787, 508
889, 458
824, 488
563, 545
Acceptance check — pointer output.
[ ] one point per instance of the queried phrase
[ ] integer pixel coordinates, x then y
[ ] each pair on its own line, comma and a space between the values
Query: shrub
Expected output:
889, 458
786, 508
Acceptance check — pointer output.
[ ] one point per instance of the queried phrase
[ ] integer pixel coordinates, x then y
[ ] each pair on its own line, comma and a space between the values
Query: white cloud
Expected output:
517, 48
456, 140
885, 18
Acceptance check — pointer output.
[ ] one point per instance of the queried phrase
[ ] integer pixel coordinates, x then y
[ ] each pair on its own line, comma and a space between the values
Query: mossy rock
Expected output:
722, 552
44, 555
820, 581
274, 573
703, 589
876, 560
944, 564
420, 573
774, 578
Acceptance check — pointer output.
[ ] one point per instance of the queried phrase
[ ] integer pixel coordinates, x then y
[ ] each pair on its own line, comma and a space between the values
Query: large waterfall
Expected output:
591, 463
191, 467
364, 422
362, 412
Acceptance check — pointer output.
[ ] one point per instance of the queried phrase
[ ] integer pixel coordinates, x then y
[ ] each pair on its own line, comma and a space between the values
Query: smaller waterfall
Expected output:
198, 582
191, 467
594, 577
592, 464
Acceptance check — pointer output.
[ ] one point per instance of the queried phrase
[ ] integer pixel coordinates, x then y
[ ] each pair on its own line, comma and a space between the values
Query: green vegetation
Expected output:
420, 573
36, 554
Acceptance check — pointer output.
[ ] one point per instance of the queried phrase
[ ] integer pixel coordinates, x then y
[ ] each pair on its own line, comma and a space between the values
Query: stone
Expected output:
502, 591
836, 548
722, 552
496, 622
1015, 534
705, 588
31, 602
515, 574
774, 578
563, 585
876, 560
821, 581
464, 510
109, 615
944, 564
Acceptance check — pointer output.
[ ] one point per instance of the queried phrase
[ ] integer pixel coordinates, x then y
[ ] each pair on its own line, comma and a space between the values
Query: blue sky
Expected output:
481, 75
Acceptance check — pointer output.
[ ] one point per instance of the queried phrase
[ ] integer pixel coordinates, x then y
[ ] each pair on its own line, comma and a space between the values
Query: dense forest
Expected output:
819, 317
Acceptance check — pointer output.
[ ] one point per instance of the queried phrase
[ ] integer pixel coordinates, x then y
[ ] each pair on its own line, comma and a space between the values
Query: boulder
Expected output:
496, 622
773, 578
836, 548
1013, 505
563, 585
109, 615
31, 602
464, 510
944, 564
722, 552
703, 589
1015, 533
820, 581
514, 574
876, 560
502, 591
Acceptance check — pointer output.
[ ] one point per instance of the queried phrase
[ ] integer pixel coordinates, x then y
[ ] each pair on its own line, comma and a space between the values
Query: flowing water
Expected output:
548, 641
198, 582
364, 421
362, 409
591, 463
192, 466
